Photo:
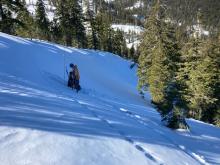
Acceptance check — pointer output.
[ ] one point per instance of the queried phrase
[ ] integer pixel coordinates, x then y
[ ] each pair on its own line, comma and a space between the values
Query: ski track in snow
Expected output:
139, 119
123, 135
198, 158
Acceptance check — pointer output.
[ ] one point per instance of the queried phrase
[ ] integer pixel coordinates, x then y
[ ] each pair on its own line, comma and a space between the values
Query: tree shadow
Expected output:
67, 113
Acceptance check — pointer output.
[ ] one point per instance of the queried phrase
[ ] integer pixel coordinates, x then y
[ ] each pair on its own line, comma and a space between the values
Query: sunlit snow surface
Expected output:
136, 5
128, 28
42, 122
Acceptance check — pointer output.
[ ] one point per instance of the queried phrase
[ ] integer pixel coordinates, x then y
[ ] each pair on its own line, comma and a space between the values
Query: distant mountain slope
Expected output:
132, 30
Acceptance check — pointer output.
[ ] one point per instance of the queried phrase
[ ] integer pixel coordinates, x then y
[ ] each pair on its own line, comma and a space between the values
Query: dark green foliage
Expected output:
27, 28
125, 49
93, 41
175, 119
158, 63
199, 78
93, 36
131, 53
103, 29
7, 9
79, 27
56, 33
119, 44
217, 118
65, 22
71, 23
188, 11
42, 22
153, 61
103, 37
185, 82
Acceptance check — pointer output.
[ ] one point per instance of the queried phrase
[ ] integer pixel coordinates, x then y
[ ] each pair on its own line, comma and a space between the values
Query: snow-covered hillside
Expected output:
138, 4
132, 33
128, 28
49, 7
42, 122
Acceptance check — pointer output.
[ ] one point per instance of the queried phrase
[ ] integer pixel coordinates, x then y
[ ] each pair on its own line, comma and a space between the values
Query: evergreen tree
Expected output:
117, 43
110, 40
132, 53
94, 37
56, 34
152, 70
199, 77
93, 42
191, 55
70, 17
65, 24
79, 27
137, 54
103, 25
206, 78
216, 57
124, 48
158, 63
8, 8
27, 28
42, 22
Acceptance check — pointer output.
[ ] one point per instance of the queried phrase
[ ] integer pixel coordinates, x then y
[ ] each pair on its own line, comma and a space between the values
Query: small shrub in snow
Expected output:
175, 119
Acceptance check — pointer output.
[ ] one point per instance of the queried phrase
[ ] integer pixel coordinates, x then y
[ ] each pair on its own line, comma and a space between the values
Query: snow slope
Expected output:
43, 122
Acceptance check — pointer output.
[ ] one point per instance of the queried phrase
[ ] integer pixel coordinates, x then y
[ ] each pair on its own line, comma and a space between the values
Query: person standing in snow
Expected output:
77, 77
71, 77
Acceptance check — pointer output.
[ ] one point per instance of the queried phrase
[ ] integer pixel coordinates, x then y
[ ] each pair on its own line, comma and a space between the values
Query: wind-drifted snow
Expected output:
109, 1
43, 122
138, 4
128, 28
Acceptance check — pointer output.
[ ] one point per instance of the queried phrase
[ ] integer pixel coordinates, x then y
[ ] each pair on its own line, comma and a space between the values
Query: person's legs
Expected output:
70, 83
74, 84
77, 86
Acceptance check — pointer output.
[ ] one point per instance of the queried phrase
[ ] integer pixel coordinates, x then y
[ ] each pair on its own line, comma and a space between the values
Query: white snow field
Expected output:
43, 122
128, 28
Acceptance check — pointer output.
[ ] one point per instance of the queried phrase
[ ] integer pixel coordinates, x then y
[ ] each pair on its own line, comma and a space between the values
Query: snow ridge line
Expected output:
122, 134
141, 121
